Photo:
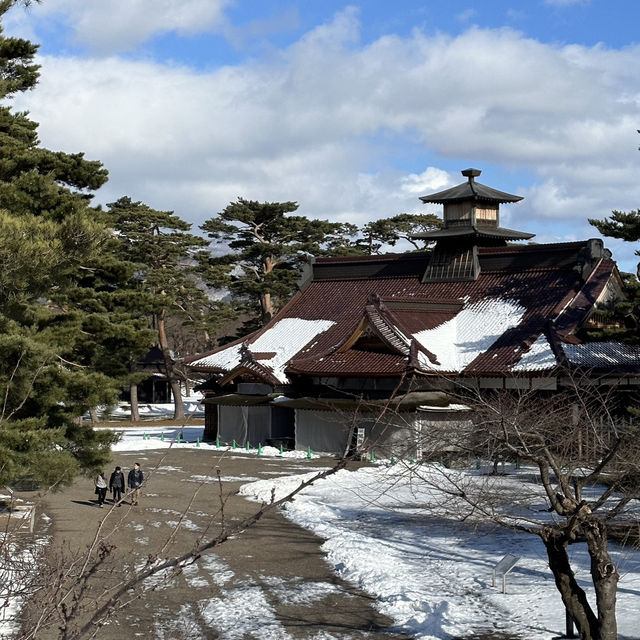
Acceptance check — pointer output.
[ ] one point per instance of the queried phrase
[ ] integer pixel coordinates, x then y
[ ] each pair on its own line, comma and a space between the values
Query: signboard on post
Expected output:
503, 568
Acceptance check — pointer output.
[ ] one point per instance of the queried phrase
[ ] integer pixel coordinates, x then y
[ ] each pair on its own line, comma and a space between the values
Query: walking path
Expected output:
270, 582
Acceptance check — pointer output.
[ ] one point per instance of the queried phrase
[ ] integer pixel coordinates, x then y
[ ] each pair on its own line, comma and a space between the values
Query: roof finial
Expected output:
471, 173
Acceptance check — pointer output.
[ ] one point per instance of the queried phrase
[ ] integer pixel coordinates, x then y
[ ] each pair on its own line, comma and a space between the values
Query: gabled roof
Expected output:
374, 317
264, 353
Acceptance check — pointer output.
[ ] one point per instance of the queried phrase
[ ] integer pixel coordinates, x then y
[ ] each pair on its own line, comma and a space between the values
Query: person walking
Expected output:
116, 485
134, 481
101, 488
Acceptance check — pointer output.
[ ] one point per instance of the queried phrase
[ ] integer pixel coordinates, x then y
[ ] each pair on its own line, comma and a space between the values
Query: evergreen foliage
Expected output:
389, 231
160, 246
60, 313
623, 225
625, 318
268, 249
260, 250
626, 315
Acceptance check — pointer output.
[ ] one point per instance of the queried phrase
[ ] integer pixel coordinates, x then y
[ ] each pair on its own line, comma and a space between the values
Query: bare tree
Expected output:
583, 458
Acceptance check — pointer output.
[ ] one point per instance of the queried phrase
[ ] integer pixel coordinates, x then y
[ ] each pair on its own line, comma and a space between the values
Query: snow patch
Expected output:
286, 338
243, 612
460, 340
539, 357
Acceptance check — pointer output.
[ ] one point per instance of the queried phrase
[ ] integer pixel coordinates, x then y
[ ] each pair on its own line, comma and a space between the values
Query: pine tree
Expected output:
625, 318
268, 250
625, 226
159, 244
390, 231
52, 347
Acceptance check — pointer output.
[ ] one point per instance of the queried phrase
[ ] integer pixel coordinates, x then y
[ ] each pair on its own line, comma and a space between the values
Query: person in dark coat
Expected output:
134, 481
101, 488
116, 485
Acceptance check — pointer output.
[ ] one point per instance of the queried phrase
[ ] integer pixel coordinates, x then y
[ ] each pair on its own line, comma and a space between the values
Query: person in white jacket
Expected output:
101, 488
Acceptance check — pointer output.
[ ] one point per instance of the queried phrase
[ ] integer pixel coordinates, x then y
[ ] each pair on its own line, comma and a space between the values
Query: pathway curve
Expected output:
271, 582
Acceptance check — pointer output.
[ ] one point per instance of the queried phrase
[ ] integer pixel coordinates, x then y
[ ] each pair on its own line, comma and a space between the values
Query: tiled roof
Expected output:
470, 190
271, 348
604, 356
497, 324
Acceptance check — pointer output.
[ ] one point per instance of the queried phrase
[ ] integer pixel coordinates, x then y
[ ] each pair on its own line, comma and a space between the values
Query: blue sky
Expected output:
351, 109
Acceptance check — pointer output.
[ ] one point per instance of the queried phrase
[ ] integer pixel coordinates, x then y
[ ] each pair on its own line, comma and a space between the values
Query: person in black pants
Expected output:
101, 488
135, 481
116, 485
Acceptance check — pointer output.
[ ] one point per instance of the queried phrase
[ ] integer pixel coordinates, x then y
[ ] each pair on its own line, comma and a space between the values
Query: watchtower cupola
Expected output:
471, 220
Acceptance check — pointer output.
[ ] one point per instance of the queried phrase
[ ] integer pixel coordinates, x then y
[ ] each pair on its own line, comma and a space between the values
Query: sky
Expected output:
353, 110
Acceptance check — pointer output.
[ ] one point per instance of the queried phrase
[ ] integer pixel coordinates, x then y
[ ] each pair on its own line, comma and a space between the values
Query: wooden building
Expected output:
402, 330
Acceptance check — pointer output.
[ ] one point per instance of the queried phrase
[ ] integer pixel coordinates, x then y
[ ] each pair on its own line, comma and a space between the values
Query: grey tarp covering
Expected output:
259, 425
232, 423
395, 434
321, 431
242, 424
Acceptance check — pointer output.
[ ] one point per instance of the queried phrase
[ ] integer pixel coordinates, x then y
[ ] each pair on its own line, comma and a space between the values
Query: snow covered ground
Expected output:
432, 576
122, 410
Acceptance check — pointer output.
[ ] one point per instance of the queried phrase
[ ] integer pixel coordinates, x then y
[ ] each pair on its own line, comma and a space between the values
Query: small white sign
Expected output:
503, 568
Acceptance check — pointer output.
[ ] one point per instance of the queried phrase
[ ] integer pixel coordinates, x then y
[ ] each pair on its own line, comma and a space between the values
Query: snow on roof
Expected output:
286, 338
460, 340
603, 354
450, 407
539, 357
226, 359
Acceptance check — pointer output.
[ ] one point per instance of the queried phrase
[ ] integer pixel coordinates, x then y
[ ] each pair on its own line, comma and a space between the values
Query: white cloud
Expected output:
121, 25
429, 181
313, 122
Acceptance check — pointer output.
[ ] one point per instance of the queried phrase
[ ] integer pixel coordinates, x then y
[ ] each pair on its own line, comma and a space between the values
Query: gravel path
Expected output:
270, 582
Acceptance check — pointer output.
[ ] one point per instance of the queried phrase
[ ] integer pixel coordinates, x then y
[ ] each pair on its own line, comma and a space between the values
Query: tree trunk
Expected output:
605, 578
163, 343
266, 302
178, 405
133, 393
267, 307
573, 596
93, 414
